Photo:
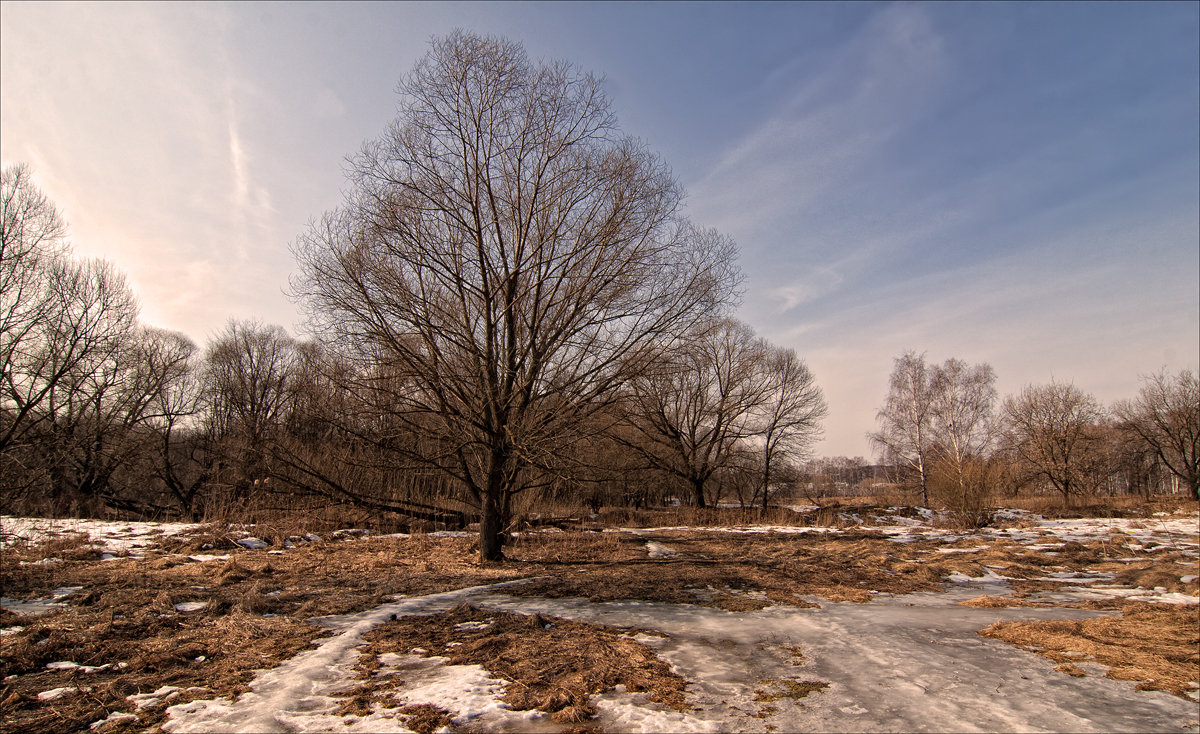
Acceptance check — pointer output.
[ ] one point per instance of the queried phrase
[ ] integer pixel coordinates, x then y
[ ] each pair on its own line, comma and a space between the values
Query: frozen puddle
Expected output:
901, 663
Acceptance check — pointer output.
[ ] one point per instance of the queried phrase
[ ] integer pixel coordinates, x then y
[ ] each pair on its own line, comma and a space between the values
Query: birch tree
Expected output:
905, 434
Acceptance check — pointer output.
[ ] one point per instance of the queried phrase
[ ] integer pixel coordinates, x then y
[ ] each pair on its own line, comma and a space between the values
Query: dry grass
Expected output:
257, 604
1157, 645
552, 665
733, 571
146, 648
126, 612
996, 602
792, 688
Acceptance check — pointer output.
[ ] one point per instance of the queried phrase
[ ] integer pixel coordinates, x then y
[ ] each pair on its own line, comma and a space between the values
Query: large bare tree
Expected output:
693, 406
504, 261
1166, 417
789, 418
1051, 430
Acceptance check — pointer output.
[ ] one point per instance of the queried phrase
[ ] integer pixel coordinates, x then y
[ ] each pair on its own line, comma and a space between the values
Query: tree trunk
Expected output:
491, 542
698, 492
766, 474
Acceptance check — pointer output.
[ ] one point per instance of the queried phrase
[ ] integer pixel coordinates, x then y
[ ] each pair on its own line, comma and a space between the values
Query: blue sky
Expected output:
1015, 183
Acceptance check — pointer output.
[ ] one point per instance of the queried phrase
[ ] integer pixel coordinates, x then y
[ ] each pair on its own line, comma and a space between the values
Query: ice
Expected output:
658, 550
252, 543
37, 607
901, 663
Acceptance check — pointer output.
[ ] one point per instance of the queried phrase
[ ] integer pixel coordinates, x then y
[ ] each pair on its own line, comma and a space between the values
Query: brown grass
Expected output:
995, 602
792, 688
1157, 645
126, 613
154, 648
552, 665
719, 569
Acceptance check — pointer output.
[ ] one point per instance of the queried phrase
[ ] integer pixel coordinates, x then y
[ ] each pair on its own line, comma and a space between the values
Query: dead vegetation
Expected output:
130, 611
1154, 644
733, 571
128, 614
792, 688
550, 664
134, 651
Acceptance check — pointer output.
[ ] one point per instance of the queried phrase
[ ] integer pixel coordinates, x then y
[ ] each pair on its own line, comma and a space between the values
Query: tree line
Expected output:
507, 312
948, 438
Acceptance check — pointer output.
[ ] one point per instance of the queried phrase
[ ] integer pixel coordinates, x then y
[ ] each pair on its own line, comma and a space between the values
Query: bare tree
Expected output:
93, 316
504, 261
31, 237
694, 405
102, 411
789, 419
1166, 417
1050, 430
963, 400
248, 372
905, 433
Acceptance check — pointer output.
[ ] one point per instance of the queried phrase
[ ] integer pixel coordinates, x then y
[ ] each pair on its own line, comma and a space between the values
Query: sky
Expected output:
1010, 183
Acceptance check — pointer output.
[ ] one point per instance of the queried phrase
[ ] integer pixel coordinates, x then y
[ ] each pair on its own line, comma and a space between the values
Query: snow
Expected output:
114, 537
252, 543
36, 607
117, 717
658, 550
902, 663
295, 695
70, 665
56, 693
190, 606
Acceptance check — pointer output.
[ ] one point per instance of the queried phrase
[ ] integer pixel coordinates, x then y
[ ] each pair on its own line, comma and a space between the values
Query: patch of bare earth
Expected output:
1157, 645
550, 664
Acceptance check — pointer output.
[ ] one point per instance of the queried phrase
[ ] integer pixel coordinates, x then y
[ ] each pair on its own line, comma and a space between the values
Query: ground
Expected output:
887, 619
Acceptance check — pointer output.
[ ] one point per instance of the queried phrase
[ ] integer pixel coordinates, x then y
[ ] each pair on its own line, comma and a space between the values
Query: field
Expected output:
883, 619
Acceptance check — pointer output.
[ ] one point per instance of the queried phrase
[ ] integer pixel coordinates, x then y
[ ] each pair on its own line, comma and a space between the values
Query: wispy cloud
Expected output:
832, 123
